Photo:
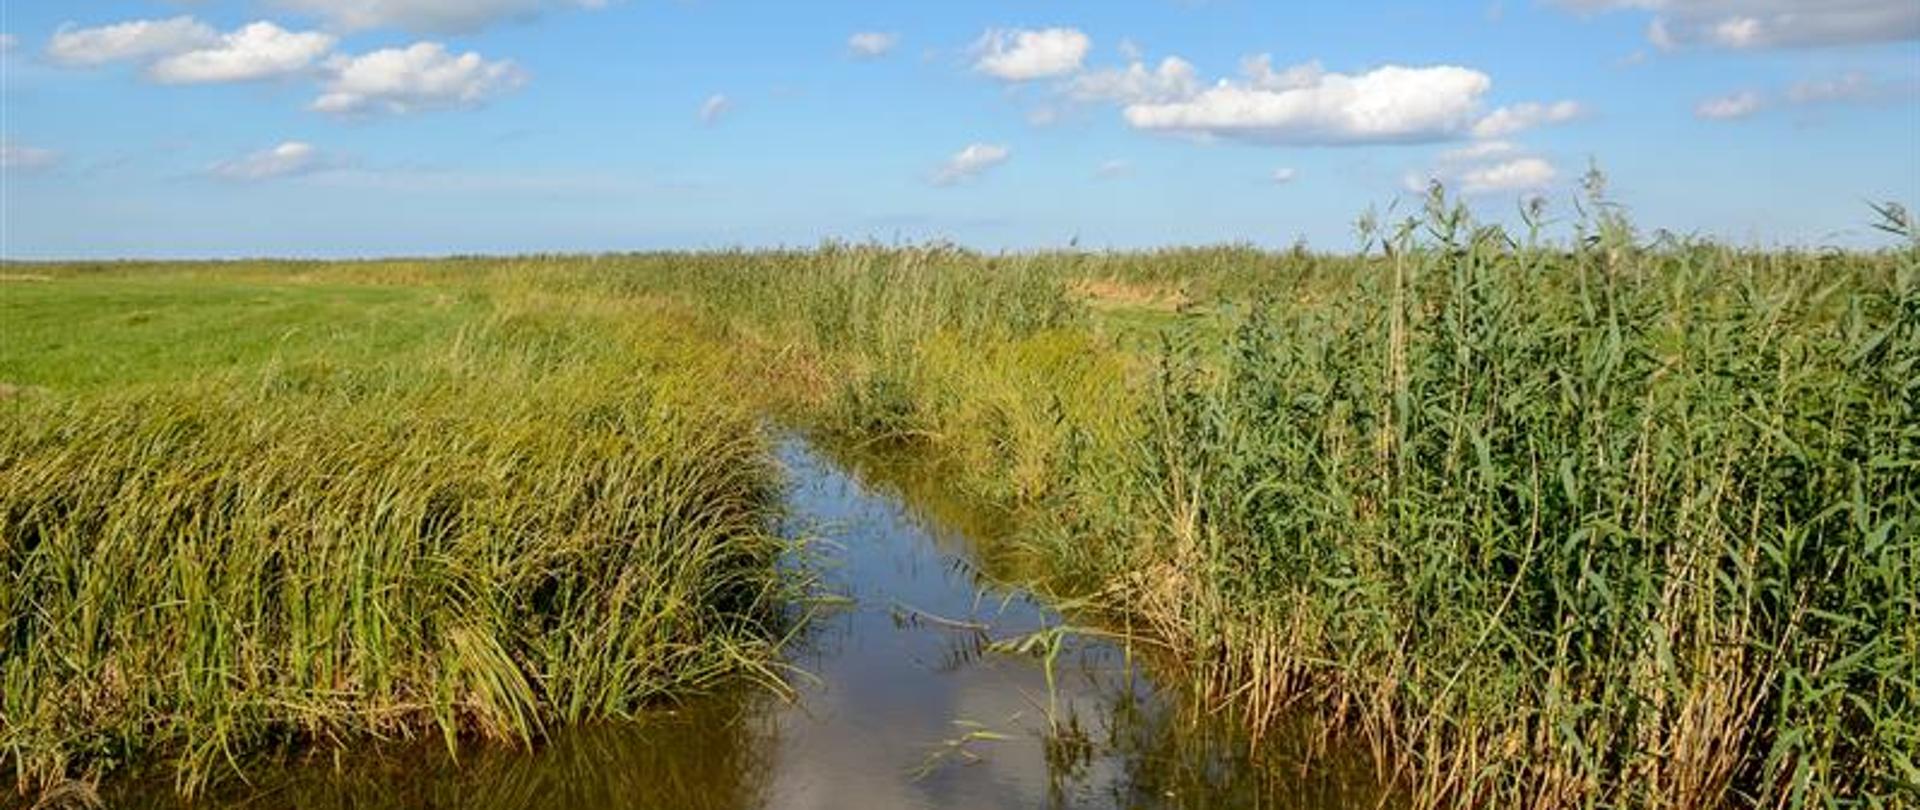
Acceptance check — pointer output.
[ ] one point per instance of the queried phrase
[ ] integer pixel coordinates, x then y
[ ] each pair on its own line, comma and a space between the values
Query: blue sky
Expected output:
373, 127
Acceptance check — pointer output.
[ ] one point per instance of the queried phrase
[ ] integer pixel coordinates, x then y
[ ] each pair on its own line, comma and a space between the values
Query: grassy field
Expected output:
241, 506
1634, 523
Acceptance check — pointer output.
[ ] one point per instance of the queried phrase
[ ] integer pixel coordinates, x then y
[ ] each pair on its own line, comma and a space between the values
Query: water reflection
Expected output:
914, 703
710, 756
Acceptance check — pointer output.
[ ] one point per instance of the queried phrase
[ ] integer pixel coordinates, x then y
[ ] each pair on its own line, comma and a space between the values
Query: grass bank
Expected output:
247, 507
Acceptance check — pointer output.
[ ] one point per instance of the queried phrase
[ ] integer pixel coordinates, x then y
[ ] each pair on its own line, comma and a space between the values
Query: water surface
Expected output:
911, 700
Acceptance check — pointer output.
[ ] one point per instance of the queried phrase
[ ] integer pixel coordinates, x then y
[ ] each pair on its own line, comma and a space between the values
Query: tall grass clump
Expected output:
1624, 526
530, 525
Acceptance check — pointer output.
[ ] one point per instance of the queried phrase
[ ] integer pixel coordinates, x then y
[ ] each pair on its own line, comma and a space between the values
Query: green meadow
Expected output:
1620, 521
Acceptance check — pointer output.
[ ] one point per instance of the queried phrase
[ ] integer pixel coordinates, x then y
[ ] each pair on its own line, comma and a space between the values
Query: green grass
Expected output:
1626, 523
96, 333
1630, 528
237, 515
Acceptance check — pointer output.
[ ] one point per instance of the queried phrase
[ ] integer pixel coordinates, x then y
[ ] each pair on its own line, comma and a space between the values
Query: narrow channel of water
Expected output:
908, 705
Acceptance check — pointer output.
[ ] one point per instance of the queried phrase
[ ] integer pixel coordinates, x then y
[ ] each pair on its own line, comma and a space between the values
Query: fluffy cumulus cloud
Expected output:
1308, 105
715, 106
970, 162
286, 160
1019, 55
429, 16
1519, 117
1727, 108
1172, 80
423, 76
1519, 174
872, 44
1487, 167
134, 40
261, 50
182, 50
15, 156
1769, 23
1259, 73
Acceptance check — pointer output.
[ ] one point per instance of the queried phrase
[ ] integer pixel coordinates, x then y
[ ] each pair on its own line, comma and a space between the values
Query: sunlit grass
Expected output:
277, 513
1623, 523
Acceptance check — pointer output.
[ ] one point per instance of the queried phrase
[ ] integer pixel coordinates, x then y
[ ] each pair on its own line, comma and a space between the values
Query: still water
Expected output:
905, 703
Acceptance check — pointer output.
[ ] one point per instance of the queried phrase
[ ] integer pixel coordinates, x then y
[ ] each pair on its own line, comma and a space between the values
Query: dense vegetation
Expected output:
1616, 523
313, 513
1630, 527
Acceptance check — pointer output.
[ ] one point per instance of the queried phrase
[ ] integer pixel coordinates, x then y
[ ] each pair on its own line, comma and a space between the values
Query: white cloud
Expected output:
1519, 174
715, 106
1112, 168
261, 50
1045, 115
1259, 73
1725, 108
872, 44
286, 160
1854, 88
1518, 117
1847, 88
132, 40
1769, 23
428, 16
1738, 32
1023, 55
1487, 167
1282, 176
182, 50
968, 163
8, 42
422, 76
1658, 34
1480, 150
16, 156
1173, 80
1305, 105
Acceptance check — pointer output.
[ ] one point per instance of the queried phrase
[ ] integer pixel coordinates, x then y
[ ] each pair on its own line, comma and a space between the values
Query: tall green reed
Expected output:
1616, 527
